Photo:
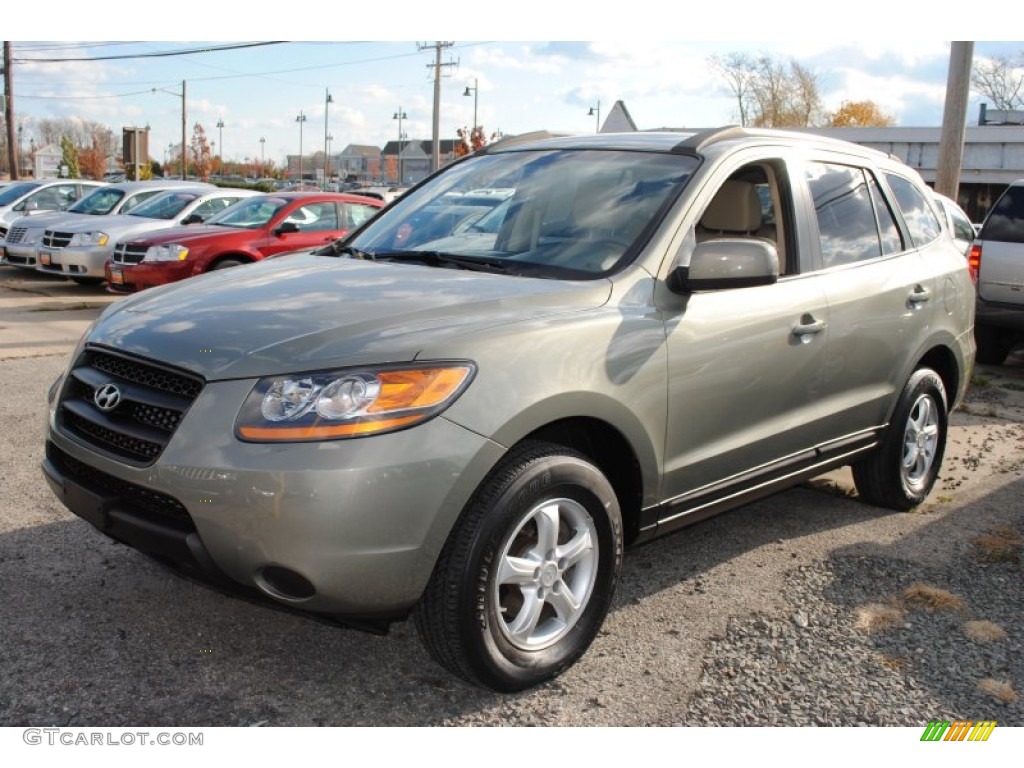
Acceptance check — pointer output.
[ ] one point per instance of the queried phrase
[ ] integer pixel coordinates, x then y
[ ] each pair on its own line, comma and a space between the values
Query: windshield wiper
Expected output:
439, 259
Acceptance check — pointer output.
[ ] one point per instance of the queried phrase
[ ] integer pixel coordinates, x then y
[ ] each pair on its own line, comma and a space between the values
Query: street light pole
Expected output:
220, 143
476, 91
597, 121
300, 120
184, 123
263, 157
400, 116
327, 163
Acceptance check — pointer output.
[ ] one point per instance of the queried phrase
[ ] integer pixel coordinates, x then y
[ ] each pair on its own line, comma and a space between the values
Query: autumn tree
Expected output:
92, 161
201, 157
471, 141
770, 93
859, 113
1000, 80
69, 157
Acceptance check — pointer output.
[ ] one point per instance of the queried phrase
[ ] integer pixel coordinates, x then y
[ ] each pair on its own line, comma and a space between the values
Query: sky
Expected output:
522, 84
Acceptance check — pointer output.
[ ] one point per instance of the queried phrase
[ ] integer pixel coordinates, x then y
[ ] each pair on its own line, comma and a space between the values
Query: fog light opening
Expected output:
285, 584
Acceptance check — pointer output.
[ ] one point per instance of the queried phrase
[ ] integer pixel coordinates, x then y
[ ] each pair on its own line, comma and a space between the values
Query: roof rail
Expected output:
694, 144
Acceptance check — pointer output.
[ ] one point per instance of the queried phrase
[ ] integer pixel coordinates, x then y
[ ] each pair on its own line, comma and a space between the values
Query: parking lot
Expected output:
753, 618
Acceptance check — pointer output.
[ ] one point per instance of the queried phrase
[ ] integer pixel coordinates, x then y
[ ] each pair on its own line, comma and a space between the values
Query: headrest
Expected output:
736, 208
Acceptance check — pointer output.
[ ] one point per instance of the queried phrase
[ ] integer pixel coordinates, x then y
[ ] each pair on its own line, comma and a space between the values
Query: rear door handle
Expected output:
919, 295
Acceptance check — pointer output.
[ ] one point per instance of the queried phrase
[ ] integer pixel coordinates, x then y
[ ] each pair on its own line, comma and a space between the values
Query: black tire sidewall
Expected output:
924, 381
494, 659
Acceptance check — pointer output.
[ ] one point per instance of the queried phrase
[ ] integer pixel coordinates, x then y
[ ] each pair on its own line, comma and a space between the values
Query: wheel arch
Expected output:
942, 360
245, 258
610, 452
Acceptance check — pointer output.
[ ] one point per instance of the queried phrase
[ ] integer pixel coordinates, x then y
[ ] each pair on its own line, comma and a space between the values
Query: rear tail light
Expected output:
974, 261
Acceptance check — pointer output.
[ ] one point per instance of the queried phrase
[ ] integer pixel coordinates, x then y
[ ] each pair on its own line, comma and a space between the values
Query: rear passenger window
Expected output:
1005, 223
847, 227
917, 213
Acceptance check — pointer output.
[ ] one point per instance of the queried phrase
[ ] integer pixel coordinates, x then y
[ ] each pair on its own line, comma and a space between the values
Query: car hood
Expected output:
52, 218
316, 312
187, 234
115, 225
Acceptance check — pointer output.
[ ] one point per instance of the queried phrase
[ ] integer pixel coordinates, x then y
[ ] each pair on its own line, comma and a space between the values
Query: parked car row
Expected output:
117, 233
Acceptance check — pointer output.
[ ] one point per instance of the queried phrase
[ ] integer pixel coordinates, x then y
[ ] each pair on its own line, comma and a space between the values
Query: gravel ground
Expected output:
751, 618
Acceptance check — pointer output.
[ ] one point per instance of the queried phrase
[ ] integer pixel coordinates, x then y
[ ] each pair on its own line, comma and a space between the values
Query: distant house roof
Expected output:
366, 150
417, 146
618, 120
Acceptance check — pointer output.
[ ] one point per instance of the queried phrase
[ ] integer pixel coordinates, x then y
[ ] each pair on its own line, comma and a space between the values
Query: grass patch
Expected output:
1000, 689
1015, 386
933, 599
980, 381
1002, 545
984, 631
877, 617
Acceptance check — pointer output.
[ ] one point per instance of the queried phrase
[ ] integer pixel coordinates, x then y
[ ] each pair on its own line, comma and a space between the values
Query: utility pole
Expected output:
435, 160
954, 119
12, 153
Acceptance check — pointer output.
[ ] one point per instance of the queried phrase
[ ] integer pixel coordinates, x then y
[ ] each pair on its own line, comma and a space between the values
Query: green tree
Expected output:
69, 157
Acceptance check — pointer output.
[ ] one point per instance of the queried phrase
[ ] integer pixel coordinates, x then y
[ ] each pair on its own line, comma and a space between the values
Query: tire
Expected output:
994, 344
901, 472
88, 280
227, 264
515, 600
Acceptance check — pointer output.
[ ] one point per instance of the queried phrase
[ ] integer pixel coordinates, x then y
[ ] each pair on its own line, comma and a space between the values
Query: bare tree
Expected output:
1001, 80
769, 92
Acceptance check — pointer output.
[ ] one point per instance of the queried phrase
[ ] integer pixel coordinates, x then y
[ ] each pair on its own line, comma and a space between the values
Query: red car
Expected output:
248, 231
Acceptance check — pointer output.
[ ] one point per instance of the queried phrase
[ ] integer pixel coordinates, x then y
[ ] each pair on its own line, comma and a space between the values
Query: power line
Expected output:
151, 55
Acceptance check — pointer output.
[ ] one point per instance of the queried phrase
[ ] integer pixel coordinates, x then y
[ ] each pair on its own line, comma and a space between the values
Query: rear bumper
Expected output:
1000, 315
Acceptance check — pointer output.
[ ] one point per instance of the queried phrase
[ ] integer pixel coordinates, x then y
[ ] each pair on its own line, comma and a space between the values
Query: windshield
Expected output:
98, 203
12, 192
251, 213
575, 213
165, 206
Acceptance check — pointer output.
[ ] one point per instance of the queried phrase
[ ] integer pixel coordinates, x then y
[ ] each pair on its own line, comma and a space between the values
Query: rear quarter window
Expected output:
1005, 223
919, 216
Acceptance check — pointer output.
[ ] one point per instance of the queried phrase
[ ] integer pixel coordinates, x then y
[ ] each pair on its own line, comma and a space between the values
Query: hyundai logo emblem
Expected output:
107, 397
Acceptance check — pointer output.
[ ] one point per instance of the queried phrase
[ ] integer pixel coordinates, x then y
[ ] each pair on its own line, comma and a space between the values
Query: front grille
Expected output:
54, 239
151, 401
125, 253
140, 502
16, 234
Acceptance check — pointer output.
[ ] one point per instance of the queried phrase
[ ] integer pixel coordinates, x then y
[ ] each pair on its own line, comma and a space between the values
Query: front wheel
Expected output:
901, 472
527, 576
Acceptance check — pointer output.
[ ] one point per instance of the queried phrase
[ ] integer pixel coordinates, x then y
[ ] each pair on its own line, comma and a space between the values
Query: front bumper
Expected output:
77, 261
19, 256
360, 521
136, 277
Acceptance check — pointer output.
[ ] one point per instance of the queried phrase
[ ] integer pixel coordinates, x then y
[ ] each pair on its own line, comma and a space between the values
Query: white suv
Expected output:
997, 263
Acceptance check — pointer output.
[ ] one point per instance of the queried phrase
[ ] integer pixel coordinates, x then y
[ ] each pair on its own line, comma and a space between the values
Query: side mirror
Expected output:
192, 218
727, 263
286, 227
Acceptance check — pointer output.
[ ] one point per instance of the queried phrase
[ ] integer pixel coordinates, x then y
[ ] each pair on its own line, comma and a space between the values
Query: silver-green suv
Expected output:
465, 410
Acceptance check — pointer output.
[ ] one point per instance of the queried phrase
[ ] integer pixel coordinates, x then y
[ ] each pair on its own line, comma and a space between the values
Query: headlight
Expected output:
89, 238
171, 252
339, 404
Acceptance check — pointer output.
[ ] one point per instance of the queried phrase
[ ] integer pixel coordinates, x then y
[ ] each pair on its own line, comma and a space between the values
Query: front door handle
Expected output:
808, 327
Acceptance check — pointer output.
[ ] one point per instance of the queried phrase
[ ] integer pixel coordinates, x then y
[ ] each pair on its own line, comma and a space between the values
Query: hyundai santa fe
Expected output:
465, 418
